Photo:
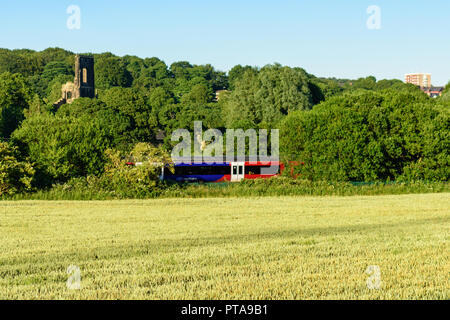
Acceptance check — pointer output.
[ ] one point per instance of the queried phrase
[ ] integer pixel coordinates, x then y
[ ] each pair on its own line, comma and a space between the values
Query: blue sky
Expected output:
326, 37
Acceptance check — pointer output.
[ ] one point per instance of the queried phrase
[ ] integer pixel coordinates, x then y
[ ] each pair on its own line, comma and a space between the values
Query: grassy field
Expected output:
231, 248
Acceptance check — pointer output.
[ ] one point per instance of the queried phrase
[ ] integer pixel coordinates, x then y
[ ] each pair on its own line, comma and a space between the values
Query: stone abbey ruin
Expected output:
83, 85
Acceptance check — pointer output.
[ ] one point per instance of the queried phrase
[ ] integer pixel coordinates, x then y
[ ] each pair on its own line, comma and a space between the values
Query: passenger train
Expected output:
220, 171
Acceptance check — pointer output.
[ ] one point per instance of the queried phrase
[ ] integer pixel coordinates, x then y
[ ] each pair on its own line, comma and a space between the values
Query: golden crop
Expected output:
233, 248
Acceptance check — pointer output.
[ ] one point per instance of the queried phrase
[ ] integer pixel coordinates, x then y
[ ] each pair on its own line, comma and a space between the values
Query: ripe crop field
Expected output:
230, 248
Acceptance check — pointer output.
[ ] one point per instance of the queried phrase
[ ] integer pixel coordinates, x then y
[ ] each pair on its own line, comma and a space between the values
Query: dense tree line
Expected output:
371, 136
346, 130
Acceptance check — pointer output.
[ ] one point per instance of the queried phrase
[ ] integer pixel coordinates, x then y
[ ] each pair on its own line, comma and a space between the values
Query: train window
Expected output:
251, 170
198, 170
234, 170
240, 169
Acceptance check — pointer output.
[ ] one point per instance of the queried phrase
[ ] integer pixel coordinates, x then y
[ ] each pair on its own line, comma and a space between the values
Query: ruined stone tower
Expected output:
84, 76
83, 85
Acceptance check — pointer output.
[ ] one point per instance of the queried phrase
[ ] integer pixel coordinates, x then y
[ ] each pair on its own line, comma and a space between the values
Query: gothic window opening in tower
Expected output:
84, 75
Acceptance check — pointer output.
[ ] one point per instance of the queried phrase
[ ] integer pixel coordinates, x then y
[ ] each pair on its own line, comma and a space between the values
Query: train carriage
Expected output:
222, 171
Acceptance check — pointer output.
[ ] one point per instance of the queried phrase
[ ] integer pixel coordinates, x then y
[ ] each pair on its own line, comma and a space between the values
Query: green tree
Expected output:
199, 94
236, 73
111, 71
64, 147
367, 83
446, 94
264, 98
24, 61
55, 68
133, 104
181, 69
14, 98
119, 126
370, 136
15, 176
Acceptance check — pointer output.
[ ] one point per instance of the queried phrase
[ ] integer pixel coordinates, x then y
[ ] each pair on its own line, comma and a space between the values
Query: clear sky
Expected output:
326, 37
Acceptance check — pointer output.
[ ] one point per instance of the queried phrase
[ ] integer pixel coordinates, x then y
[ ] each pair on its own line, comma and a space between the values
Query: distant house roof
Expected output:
433, 89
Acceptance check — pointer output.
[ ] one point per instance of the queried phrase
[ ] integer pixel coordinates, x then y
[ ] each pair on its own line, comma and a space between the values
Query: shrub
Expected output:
134, 180
15, 176
64, 147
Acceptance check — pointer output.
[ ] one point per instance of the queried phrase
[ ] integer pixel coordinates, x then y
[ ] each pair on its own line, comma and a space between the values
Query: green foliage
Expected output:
359, 130
26, 62
97, 188
14, 98
368, 136
263, 98
446, 95
64, 147
39, 68
15, 175
285, 186
322, 88
120, 180
237, 73
447, 87
53, 91
135, 180
55, 74
56, 68
139, 119
56, 54
111, 71
325, 88
368, 83
148, 73
36, 107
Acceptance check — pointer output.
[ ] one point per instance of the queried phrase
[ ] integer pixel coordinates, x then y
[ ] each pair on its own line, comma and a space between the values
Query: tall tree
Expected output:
111, 71
14, 98
261, 99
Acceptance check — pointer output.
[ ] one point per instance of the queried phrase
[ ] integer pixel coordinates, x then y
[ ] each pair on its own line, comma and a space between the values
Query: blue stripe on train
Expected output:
193, 178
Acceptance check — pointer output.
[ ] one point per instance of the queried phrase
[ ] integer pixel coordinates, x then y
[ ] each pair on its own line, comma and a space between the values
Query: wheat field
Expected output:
233, 248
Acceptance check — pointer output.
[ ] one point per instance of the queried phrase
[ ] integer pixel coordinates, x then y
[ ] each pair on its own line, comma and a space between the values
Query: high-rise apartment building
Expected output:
422, 80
